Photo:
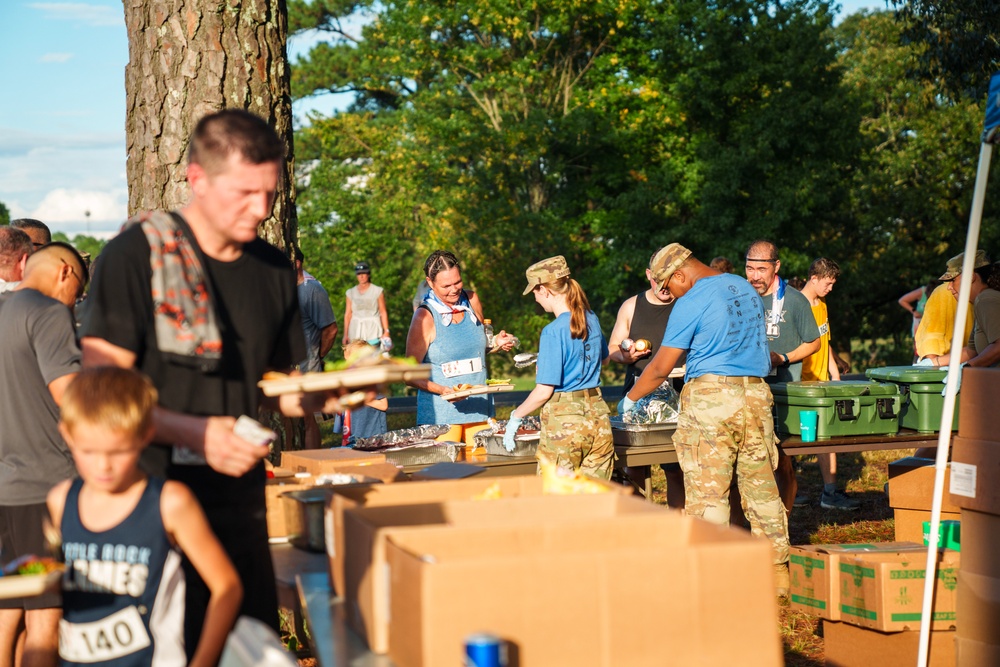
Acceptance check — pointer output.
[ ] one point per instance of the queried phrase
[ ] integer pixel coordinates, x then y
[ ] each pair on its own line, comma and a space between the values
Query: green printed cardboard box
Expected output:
813, 570
885, 591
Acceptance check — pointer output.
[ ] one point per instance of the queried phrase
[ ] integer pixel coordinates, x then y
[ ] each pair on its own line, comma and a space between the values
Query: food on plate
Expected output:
365, 357
462, 387
556, 481
492, 381
32, 565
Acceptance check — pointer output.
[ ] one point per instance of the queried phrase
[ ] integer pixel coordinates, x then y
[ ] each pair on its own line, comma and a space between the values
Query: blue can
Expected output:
485, 650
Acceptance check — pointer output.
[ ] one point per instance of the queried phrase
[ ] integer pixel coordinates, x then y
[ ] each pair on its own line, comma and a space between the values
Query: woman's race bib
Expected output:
462, 367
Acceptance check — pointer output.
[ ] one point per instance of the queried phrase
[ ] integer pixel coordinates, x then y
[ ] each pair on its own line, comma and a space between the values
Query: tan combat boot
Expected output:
781, 579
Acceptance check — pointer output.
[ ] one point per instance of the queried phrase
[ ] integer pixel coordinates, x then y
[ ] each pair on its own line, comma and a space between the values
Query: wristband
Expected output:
785, 357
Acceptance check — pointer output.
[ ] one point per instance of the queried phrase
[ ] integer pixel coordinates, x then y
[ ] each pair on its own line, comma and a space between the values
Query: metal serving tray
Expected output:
641, 435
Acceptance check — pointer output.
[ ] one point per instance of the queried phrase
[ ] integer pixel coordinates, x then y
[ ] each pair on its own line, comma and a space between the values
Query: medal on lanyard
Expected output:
777, 302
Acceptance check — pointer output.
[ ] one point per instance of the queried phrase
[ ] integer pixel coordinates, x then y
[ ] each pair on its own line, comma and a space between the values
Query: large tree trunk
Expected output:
188, 58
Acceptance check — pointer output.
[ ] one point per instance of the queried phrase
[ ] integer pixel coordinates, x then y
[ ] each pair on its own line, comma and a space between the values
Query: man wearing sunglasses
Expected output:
39, 357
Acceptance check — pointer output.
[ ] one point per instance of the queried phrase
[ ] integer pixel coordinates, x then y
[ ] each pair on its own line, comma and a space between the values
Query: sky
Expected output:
62, 123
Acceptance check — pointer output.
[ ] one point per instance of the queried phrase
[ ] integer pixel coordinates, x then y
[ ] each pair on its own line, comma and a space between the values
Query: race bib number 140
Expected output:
111, 637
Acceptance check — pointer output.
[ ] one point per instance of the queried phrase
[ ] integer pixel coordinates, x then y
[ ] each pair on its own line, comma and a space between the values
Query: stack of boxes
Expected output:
870, 597
975, 471
600, 579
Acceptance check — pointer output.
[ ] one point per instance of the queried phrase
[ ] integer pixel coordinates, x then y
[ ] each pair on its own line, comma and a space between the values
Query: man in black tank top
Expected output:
644, 316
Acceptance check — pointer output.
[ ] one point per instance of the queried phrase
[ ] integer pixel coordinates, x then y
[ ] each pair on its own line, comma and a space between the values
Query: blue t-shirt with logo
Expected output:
720, 322
568, 363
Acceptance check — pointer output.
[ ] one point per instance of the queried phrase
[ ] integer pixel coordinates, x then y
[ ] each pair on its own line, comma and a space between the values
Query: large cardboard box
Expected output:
909, 524
970, 653
411, 493
322, 461
885, 591
365, 528
648, 589
976, 467
814, 568
978, 635
911, 484
847, 645
980, 403
980, 543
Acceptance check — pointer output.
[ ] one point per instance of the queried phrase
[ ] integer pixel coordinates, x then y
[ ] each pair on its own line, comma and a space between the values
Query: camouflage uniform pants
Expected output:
724, 427
576, 433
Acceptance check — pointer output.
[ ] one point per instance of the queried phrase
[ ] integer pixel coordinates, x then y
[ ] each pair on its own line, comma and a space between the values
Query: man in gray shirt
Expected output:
38, 359
320, 327
15, 246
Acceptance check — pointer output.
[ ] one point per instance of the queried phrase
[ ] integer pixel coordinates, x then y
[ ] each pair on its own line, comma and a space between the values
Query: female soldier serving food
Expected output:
576, 430
447, 332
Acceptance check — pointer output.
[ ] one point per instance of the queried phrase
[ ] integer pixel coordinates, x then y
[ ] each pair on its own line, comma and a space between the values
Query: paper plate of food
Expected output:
30, 576
358, 371
492, 386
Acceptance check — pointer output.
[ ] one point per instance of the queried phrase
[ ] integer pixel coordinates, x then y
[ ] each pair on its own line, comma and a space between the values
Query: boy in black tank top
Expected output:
122, 533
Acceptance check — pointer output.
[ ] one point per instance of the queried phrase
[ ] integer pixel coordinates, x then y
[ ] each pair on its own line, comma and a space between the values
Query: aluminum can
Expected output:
626, 344
485, 650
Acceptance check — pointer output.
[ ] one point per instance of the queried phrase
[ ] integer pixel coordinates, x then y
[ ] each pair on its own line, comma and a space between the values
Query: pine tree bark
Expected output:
188, 58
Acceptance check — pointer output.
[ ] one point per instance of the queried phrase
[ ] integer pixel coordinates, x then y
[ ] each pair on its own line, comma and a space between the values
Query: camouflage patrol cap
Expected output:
955, 264
546, 271
666, 261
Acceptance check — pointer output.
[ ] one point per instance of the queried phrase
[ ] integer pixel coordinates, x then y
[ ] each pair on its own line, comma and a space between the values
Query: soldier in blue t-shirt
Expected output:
725, 424
576, 429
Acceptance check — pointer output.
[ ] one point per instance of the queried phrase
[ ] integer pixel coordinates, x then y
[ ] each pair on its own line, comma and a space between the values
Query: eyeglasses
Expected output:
665, 290
79, 280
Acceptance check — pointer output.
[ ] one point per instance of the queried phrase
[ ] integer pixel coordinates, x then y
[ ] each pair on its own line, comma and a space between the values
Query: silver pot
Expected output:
305, 518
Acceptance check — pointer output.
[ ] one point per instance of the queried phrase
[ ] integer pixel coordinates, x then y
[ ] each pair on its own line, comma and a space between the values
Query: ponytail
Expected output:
576, 301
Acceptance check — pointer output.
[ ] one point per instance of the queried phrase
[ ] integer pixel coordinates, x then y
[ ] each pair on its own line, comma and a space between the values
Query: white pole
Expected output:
951, 390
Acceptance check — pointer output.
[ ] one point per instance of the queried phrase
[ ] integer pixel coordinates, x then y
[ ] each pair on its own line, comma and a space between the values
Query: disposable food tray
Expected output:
28, 585
351, 378
641, 435
920, 391
524, 445
478, 389
439, 452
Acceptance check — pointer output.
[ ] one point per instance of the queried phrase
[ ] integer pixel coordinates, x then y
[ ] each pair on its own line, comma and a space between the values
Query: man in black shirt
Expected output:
205, 265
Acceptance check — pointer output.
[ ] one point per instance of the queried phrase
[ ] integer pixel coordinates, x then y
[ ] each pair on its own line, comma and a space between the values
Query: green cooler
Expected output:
850, 407
920, 388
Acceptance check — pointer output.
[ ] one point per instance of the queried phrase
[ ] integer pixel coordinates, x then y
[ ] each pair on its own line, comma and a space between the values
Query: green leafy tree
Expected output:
958, 42
4, 214
912, 188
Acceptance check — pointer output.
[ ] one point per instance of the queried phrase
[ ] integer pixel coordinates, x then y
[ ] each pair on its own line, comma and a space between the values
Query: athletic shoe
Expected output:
801, 500
838, 500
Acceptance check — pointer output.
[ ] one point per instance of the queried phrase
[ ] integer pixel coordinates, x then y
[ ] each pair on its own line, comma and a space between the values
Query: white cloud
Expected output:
64, 205
78, 12
56, 57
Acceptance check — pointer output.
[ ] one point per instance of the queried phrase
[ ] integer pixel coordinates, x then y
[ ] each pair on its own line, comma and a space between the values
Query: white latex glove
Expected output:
625, 405
958, 385
513, 424
926, 361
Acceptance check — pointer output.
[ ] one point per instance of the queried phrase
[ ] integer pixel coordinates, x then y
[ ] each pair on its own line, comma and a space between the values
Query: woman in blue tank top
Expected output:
447, 332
